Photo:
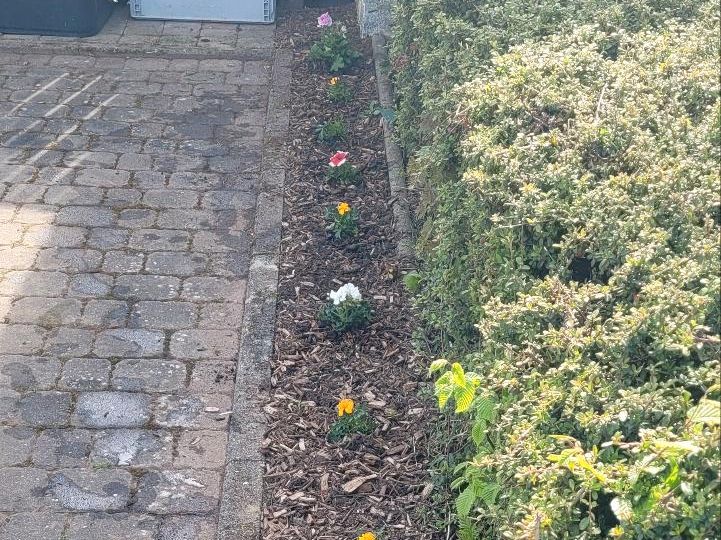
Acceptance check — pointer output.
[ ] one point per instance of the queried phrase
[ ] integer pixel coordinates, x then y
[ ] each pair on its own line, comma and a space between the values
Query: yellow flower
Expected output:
333, 81
343, 208
367, 536
345, 406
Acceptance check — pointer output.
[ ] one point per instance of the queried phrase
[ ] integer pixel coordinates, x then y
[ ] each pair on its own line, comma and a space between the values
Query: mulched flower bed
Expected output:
379, 482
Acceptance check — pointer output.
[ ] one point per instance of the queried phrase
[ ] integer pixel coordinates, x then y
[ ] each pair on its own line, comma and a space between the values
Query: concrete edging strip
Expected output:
394, 158
241, 507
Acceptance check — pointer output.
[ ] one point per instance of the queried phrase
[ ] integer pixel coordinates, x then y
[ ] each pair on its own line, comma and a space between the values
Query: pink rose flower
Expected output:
325, 20
338, 159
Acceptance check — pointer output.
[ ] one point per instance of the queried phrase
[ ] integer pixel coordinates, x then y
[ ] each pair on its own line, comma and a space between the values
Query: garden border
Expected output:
241, 505
400, 200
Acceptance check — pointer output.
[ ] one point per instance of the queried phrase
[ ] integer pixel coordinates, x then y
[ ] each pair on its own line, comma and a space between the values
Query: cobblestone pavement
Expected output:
128, 188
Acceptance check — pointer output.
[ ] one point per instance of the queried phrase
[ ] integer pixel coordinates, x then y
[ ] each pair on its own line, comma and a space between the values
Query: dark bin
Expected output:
80, 18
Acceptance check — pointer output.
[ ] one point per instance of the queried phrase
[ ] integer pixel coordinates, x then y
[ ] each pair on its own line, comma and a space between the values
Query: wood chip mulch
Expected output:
378, 483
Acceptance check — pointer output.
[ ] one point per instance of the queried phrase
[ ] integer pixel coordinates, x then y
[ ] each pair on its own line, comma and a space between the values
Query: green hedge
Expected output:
439, 43
571, 258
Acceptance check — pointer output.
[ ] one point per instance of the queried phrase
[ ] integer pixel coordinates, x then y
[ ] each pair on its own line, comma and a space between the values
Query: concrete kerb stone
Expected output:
241, 509
394, 158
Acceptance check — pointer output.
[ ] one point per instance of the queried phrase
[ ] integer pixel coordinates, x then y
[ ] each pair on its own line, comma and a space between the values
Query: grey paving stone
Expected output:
69, 260
213, 289
123, 197
133, 447
33, 526
54, 236
205, 343
135, 162
104, 178
233, 264
105, 313
86, 490
201, 450
170, 198
149, 179
118, 218
11, 233
159, 240
56, 448
220, 242
90, 285
67, 342
105, 128
55, 177
178, 162
94, 526
146, 130
129, 343
187, 219
158, 146
85, 374
116, 144
128, 114
192, 411
5, 302
194, 180
204, 148
124, 262
47, 312
176, 263
36, 213
23, 489
74, 195
23, 373
112, 410
210, 377
229, 200
139, 375
17, 258
219, 316
107, 239
85, 216
90, 159
45, 409
19, 283
25, 193
178, 492
187, 528
135, 218
164, 315
146, 287
235, 164
21, 339
16, 444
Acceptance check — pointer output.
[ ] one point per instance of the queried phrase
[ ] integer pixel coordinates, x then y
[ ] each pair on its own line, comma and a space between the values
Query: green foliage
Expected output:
361, 422
334, 50
412, 281
347, 315
345, 174
343, 225
338, 91
440, 43
332, 131
570, 257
